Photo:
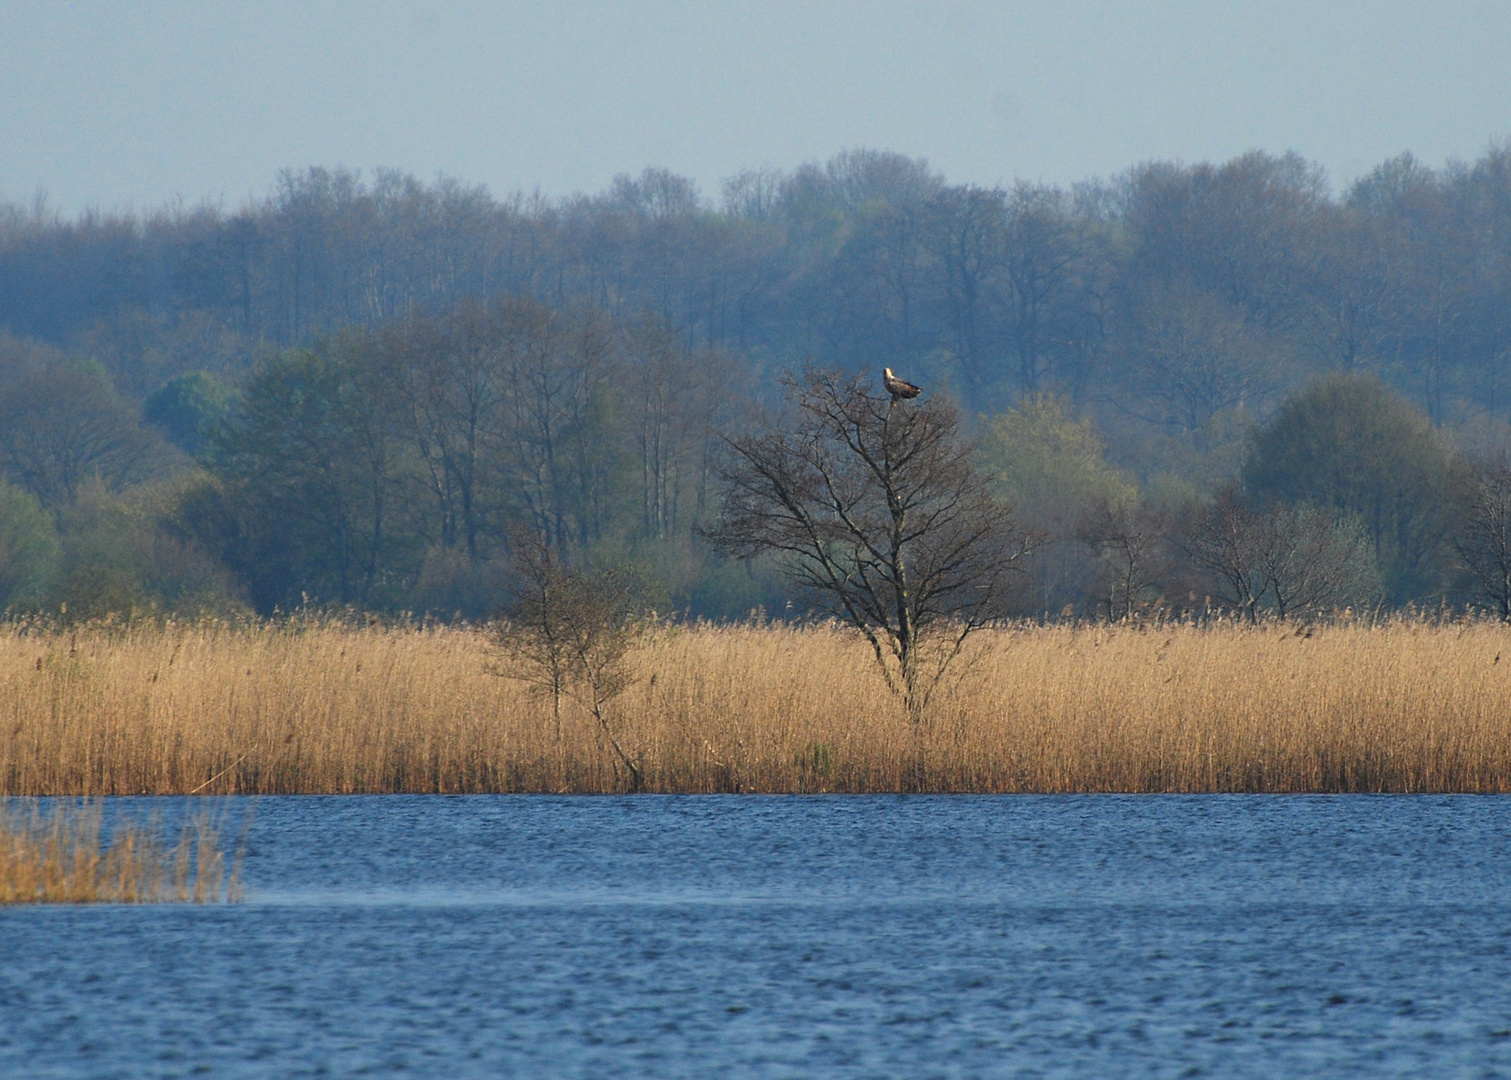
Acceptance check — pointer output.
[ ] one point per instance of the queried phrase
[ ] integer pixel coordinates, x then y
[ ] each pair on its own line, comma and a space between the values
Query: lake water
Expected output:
798, 937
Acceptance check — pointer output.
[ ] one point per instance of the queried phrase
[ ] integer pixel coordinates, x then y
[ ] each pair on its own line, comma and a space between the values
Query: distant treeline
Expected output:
1171, 295
351, 392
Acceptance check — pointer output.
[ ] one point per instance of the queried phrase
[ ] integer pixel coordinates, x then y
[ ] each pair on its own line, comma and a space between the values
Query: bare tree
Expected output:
1280, 557
1484, 541
1196, 356
672, 400
1313, 559
63, 424
876, 509
555, 369
447, 380
967, 237
1040, 253
1129, 537
569, 633
1220, 540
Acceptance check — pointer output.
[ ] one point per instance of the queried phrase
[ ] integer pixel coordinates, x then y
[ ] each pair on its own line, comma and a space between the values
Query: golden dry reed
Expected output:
306, 706
57, 855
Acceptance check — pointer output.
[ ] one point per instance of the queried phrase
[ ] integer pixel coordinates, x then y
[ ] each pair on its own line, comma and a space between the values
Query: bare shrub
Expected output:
569, 633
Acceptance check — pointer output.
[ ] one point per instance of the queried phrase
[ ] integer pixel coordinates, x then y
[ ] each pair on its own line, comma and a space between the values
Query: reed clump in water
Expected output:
306, 706
58, 855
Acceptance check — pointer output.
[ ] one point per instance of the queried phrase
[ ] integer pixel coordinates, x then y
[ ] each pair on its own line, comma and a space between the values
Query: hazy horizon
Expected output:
111, 108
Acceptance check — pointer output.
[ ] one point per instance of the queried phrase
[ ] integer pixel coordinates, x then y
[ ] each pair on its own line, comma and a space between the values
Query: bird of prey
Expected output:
897, 388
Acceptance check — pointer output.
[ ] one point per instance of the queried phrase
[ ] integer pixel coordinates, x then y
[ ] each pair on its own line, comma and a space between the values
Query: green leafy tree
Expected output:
126, 554
29, 547
1051, 467
1049, 464
311, 475
189, 409
1349, 444
63, 425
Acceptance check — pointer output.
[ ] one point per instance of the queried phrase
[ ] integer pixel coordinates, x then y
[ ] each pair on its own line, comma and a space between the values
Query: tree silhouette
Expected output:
875, 508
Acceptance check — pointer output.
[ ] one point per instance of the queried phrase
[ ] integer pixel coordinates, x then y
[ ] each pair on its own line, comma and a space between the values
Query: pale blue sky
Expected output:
131, 104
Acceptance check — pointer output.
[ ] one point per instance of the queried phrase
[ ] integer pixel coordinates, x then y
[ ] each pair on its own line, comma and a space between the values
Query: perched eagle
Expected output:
897, 388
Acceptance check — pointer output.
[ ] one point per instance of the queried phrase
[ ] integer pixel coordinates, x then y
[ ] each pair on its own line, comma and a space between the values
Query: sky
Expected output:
116, 106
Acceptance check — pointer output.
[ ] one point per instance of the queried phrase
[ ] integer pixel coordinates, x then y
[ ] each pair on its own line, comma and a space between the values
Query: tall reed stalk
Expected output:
309, 706
58, 855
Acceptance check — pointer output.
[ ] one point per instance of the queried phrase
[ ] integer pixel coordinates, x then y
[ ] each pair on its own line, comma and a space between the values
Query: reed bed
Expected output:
59, 855
1410, 705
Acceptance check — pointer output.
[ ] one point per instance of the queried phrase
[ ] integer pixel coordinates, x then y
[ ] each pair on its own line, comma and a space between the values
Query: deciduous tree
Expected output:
1349, 444
569, 633
1483, 541
876, 509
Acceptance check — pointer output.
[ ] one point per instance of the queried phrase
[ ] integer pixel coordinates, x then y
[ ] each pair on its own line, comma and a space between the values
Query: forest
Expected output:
1195, 387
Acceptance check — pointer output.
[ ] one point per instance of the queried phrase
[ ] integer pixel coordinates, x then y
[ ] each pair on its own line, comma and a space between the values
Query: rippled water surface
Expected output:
774, 937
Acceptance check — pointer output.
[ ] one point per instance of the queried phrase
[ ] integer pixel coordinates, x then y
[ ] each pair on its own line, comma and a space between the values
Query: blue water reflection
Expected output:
773, 937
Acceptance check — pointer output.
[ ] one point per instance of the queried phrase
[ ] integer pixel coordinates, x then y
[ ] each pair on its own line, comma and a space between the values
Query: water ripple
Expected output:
827, 937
